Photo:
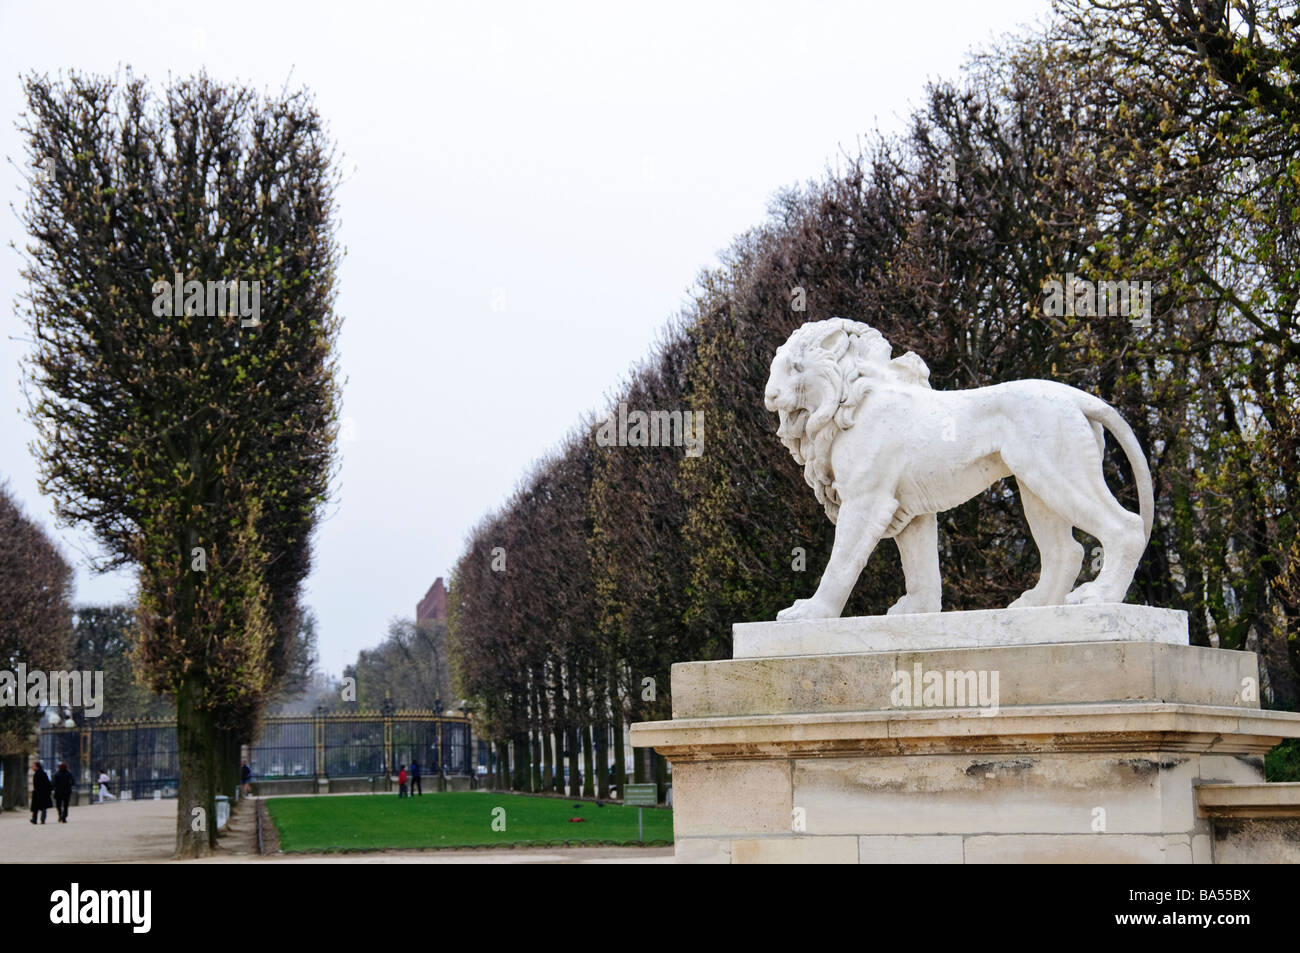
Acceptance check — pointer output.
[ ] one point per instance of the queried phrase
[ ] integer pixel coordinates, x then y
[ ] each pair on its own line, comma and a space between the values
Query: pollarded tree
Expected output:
191, 428
35, 626
570, 595
476, 639
640, 568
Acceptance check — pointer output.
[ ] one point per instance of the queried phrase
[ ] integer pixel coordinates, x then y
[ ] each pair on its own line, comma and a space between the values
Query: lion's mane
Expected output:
850, 362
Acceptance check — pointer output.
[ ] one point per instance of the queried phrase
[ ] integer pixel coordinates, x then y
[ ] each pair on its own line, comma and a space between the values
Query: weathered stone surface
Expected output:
1078, 849
896, 849
1247, 799
757, 794
1256, 840
1202, 849
795, 850
1110, 726
703, 850
1110, 622
1024, 675
1063, 794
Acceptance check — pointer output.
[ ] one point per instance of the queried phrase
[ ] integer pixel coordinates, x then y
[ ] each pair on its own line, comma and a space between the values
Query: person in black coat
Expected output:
63, 782
41, 788
415, 779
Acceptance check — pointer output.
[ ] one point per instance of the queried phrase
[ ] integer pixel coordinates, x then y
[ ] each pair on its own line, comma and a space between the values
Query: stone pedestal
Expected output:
1056, 734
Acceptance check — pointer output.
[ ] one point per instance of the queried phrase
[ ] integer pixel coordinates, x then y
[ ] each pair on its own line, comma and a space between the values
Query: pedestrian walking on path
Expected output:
63, 782
41, 789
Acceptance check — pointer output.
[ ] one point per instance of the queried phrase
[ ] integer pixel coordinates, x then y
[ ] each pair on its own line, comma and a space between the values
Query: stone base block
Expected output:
1105, 622
1090, 751
1253, 823
989, 677
1028, 806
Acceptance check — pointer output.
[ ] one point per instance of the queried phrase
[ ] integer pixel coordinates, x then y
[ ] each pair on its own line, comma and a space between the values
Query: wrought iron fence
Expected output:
140, 756
286, 748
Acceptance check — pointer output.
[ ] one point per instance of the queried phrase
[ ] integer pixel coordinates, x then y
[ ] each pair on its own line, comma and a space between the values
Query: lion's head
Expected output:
819, 378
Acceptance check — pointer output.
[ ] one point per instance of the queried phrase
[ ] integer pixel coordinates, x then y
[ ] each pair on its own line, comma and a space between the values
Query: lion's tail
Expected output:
1100, 412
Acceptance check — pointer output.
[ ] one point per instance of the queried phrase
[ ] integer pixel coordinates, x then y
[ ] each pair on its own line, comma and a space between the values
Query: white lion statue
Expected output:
884, 453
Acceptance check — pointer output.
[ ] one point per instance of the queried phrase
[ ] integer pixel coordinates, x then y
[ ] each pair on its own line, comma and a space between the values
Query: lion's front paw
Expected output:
804, 609
1083, 595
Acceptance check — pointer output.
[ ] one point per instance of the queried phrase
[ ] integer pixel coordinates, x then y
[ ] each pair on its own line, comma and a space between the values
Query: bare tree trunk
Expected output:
588, 776
196, 751
535, 732
601, 728
503, 766
16, 775
556, 740
521, 779
544, 727
619, 780
571, 735
560, 727
575, 767
227, 768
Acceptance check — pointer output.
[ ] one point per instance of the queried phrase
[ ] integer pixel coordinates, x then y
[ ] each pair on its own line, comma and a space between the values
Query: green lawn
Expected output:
456, 819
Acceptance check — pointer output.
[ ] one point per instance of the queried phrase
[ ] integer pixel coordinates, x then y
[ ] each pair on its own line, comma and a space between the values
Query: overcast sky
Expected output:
575, 165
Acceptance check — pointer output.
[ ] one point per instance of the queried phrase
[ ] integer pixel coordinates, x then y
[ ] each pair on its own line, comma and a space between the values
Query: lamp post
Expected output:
386, 709
437, 710
470, 761
320, 742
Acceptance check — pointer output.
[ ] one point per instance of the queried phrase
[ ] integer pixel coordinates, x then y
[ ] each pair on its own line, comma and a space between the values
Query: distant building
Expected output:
434, 604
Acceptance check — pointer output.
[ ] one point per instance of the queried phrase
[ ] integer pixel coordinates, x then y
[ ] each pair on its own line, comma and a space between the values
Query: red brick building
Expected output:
434, 604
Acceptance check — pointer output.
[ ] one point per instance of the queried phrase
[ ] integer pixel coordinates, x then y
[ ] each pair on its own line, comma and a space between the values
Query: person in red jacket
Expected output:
401, 782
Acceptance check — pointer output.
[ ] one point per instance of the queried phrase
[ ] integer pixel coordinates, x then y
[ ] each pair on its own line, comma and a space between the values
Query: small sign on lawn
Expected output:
641, 795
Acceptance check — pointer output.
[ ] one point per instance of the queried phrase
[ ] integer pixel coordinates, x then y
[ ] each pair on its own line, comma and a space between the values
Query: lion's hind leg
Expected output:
1060, 554
1122, 537
1121, 551
1088, 504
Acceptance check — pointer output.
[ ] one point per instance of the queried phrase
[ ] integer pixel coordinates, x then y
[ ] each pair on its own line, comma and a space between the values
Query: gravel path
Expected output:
95, 833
